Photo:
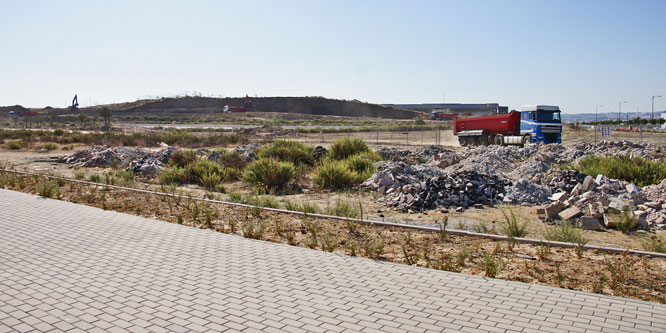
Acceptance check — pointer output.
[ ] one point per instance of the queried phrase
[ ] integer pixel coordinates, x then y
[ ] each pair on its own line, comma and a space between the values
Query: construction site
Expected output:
459, 193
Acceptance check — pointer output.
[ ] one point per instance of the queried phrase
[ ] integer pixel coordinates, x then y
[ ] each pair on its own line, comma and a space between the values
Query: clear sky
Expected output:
575, 54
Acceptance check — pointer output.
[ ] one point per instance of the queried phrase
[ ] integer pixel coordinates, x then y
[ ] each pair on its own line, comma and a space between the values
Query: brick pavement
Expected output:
68, 267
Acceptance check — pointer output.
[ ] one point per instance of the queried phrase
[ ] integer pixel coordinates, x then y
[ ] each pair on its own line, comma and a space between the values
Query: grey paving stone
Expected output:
74, 267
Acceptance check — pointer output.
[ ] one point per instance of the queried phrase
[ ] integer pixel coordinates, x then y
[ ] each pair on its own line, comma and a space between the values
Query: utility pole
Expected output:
619, 110
653, 104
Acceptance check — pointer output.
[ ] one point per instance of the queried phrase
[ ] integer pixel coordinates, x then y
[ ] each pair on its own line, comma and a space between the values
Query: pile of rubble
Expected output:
597, 202
152, 164
103, 156
425, 187
420, 156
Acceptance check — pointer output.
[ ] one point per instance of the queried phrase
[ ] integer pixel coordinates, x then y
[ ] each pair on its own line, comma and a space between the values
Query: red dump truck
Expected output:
536, 123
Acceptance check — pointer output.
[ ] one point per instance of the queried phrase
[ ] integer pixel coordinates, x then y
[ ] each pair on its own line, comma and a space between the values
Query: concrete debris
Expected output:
450, 180
422, 187
420, 156
152, 164
103, 157
248, 152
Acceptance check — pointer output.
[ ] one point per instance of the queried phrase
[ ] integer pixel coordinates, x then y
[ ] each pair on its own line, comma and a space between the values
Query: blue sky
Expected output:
576, 54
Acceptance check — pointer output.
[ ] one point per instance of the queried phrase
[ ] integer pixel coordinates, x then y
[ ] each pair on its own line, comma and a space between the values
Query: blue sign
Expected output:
605, 131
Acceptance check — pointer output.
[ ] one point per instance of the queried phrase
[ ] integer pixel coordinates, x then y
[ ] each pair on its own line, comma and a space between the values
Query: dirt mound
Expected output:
304, 105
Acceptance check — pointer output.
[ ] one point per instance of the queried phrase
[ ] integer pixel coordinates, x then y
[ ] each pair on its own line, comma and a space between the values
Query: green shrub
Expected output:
173, 175
289, 151
565, 232
47, 189
197, 169
637, 170
15, 144
363, 166
269, 174
232, 159
347, 147
182, 158
78, 175
512, 227
654, 244
95, 178
332, 174
304, 207
58, 132
209, 180
50, 146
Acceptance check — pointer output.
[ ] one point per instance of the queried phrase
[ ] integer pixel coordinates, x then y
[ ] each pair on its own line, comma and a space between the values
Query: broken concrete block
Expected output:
559, 196
616, 205
577, 189
553, 209
589, 223
599, 179
595, 210
611, 221
587, 183
631, 188
570, 213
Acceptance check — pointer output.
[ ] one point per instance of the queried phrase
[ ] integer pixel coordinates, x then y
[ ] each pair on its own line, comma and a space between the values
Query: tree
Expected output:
106, 114
661, 121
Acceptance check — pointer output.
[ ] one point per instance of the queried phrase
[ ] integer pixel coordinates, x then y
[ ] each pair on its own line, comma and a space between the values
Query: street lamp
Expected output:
596, 121
653, 104
619, 110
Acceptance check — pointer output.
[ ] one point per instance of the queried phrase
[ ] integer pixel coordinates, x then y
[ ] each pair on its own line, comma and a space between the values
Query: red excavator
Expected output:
247, 107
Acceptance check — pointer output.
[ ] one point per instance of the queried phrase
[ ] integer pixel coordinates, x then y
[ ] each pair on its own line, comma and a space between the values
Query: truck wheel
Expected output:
499, 140
527, 139
463, 141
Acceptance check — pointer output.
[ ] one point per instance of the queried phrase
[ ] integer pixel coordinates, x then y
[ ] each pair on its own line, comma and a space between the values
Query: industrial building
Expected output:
457, 108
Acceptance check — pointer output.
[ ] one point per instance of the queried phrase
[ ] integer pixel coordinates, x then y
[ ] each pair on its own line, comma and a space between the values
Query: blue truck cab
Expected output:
542, 123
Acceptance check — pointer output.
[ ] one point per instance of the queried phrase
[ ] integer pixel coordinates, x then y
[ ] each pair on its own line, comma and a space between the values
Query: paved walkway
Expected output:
68, 267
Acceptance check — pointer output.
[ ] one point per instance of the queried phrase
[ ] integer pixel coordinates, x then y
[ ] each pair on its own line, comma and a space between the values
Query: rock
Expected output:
577, 189
596, 210
587, 183
570, 213
599, 179
560, 196
631, 188
590, 223
554, 209
319, 152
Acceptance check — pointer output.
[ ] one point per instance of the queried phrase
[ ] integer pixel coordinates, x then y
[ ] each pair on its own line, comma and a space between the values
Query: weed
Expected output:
95, 178
47, 189
329, 241
232, 160
15, 144
410, 257
543, 250
462, 256
363, 166
492, 264
127, 176
233, 224
210, 180
620, 271
78, 175
484, 228
290, 235
344, 209
442, 233
373, 247
512, 227
599, 283
626, 222
654, 244
352, 247
50, 146
254, 230
305, 207
558, 274
565, 232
